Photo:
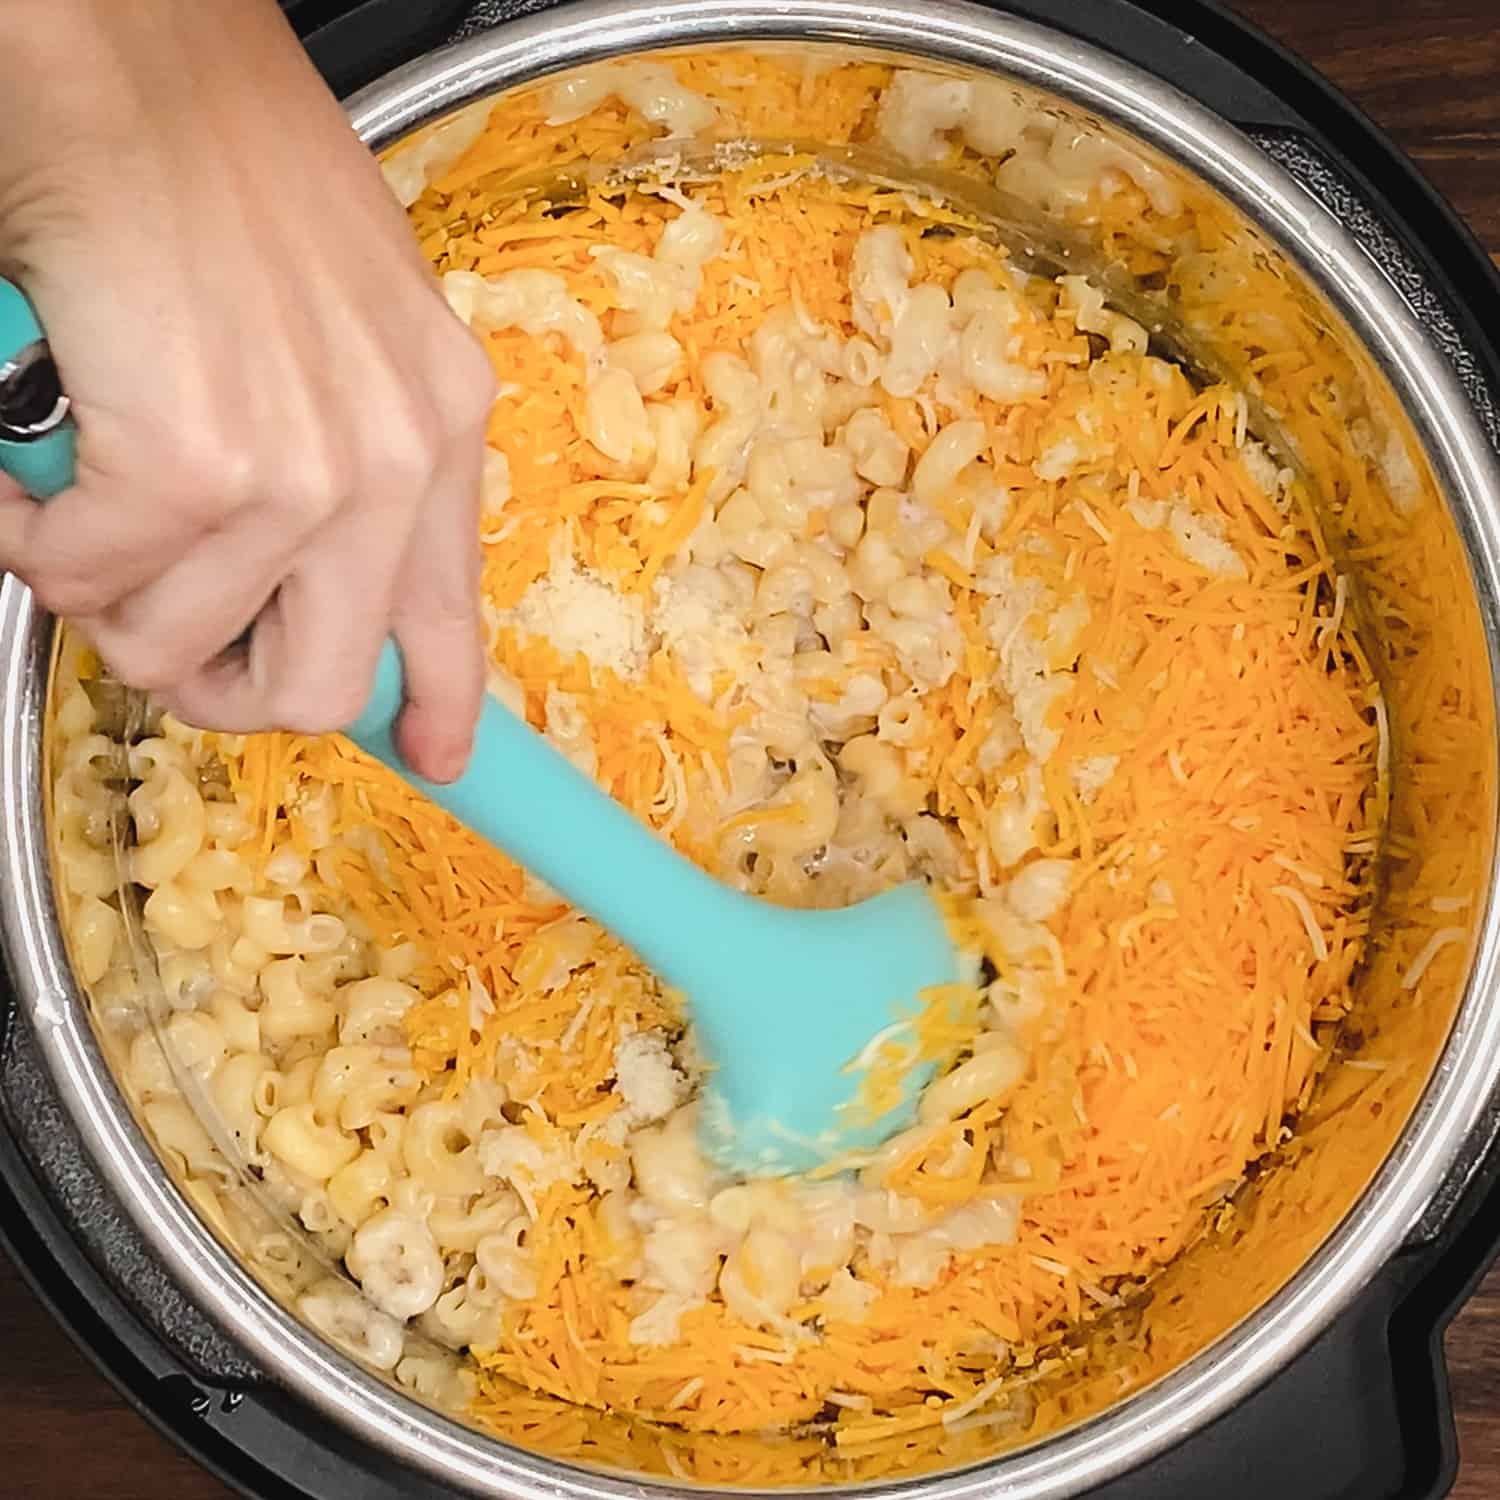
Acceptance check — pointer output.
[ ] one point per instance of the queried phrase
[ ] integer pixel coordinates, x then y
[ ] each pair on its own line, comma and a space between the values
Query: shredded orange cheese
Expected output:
1186, 1032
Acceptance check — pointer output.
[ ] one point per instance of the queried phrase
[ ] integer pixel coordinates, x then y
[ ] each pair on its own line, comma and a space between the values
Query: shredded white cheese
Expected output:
577, 611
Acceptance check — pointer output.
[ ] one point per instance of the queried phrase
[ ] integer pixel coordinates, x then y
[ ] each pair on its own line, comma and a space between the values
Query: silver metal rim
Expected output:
1435, 1140
12, 432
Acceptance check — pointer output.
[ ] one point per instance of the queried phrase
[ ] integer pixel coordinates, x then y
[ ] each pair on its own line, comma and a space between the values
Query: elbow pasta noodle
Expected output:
170, 806
288, 1011
395, 1259
947, 456
438, 1152
312, 1148
844, 553
96, 931
267, 924
234, 1089
183, 917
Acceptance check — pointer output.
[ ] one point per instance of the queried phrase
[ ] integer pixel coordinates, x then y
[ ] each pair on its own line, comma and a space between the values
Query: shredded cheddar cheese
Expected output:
1141, 741
1270, 759
1238, 740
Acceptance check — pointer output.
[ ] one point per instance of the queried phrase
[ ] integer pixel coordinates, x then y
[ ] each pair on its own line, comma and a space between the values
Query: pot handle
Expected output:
368, 37
1364, 1411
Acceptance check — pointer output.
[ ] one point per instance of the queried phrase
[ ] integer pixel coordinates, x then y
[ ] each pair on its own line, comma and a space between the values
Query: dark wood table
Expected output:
1429, 71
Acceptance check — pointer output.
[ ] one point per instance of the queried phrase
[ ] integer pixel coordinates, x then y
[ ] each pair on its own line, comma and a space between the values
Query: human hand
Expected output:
279, 419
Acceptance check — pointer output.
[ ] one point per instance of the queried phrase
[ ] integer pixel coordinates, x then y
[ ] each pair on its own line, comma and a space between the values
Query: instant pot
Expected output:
1332, 1383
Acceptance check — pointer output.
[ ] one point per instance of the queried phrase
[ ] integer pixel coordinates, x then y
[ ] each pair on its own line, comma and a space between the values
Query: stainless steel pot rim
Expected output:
1436, 1139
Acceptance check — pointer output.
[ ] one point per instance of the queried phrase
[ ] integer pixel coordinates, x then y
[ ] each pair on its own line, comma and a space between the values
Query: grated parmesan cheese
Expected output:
1091, 774
650, 1083
579, 613
1200, 539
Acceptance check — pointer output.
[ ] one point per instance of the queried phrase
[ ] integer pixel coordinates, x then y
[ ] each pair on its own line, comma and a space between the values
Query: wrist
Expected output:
79, 52
97, 96
56, 92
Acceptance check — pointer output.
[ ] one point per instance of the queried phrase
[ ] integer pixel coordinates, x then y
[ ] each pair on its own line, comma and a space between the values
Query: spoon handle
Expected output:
36, 431
519, 793
525, 797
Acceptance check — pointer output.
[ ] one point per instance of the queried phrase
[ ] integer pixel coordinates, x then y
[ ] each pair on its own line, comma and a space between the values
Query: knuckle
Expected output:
147, 663
71, 591
347, 700
185, 708
294, 715
469, 384
320, 479
210, 471
477, 375
455, 619
448, 683
442, 627
473, 409
318, 707
410, 452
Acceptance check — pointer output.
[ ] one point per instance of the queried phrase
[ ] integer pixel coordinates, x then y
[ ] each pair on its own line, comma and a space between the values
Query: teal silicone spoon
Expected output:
786, 1003
36, 431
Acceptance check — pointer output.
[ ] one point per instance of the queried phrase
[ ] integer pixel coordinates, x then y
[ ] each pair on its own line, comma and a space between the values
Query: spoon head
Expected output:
827, 1031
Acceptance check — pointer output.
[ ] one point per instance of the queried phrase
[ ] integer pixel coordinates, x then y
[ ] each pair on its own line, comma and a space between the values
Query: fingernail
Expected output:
452, 763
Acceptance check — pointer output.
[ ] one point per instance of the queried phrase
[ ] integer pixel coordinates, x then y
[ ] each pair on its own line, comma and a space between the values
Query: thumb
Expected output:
17, 510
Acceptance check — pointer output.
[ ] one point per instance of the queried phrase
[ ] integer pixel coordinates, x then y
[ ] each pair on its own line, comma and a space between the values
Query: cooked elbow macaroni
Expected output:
844, 553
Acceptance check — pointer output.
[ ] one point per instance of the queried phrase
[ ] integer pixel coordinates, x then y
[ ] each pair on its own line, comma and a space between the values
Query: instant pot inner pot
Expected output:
1236, 277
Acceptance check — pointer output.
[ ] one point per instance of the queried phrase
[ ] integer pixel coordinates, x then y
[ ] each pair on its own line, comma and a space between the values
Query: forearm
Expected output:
63, 43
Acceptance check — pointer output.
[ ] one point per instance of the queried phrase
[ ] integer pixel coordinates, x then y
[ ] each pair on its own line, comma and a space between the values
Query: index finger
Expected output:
437, 624
92, 544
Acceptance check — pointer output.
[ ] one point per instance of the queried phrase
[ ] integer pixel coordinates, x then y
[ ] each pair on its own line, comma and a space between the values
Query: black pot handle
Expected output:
1357, 1416
1365, 1413
352, 42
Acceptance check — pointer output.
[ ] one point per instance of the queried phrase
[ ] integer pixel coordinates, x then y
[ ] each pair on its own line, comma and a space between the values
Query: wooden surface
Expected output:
1427, 70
